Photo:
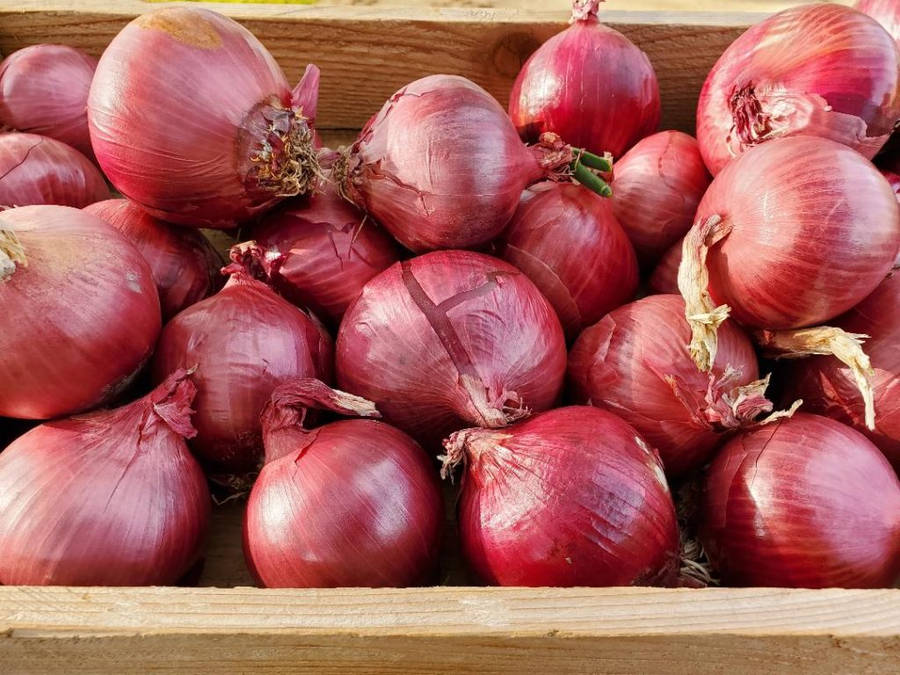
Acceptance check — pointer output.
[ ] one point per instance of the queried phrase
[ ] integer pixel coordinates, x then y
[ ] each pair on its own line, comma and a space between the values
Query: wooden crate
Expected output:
366, 53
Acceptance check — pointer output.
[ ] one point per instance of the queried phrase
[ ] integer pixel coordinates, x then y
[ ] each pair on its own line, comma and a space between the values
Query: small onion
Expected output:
885, 12
112, 498
191, 118
44, 90
590, 84
657, 187
553, 221
820, 70
665, 275
80, 312
807, 503
352, 503
39, 170
570, 497
451, 339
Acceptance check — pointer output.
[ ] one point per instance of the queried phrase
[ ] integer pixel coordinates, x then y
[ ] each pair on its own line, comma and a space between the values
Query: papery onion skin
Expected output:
631, 362
807, 503
815, 228
80, 312
885, 12
40, 170
440, 165
185, 265
44, 90
657, 187
569, 497
552, 223
665, 275
827, 387
509, 352
589, 84
111, 498
191, 118
820, 69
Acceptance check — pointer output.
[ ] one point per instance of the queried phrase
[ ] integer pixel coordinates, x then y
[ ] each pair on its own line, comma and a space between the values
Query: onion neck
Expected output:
585, 10
171, 402
12, 254
558, 161
468, 447
249, 260
751, 123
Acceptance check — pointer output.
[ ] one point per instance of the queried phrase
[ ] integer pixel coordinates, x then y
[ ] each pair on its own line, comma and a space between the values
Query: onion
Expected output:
192, 119
828, 387
352, 503
807, 503
552, 221
814, 70
39, 170
885, 12
44, 90
570, 497
185, 265
665, 275
657, 188
112, 498
589, 84
244, 341
451, 339
322, 251
441, 166
80, 312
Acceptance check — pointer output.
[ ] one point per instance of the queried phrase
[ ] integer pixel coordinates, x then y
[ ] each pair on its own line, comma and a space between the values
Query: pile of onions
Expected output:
828, 387
657, 187
39, 170
44, 90
321, 251
191, 118
570, 497
441, 166
816, 70
185, 266
553, 221
80, 312
665, 275
806, 502
451, 339
244, 341
885, 12
589, 84
352, 503
112, 498
635, 363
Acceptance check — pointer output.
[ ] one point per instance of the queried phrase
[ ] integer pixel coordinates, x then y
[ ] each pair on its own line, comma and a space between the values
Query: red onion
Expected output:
244, 341
806, 503
192, 119
322, 251
352, 503
635, 363
441, 166
885, 12
570, 497
814, 70
589, 84
112, 498
828, 387
665, 275
451, 339
80, 312
39, 170
657, 188
44, 90
553, 221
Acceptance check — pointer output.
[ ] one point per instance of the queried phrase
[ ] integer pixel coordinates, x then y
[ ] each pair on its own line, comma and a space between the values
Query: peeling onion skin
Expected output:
44, 90
657, 187
885, 12
824, 70
590, 84
111, 498
553, 221
80, 312
40, 170
570, 497
185, 265
827, 387
665, 275
806, 502
507, 341
808, 241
